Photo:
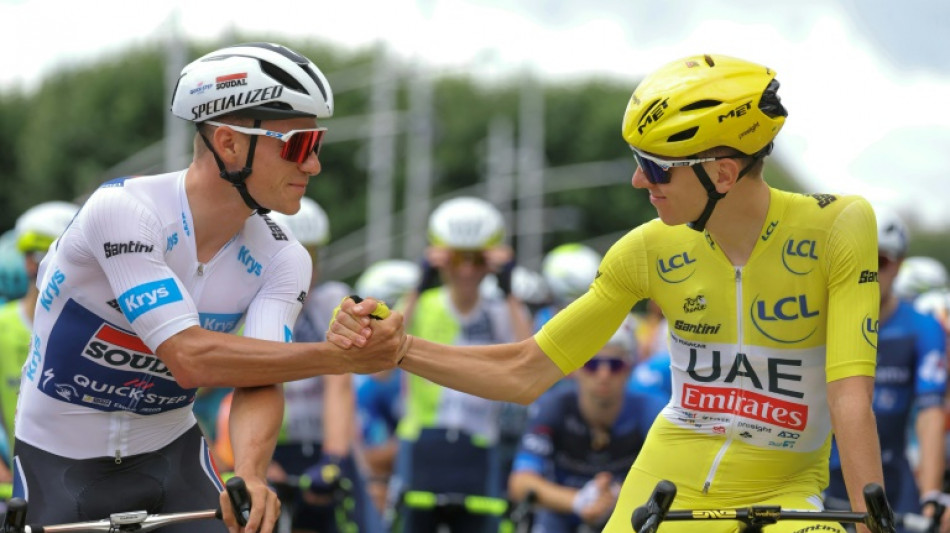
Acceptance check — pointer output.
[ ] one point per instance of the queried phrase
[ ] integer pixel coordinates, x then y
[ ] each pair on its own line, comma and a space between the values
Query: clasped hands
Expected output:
371, 341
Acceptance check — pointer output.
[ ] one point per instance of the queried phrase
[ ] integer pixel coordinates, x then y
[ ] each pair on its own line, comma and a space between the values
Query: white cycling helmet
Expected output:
569, 270
466, 223
40, 225
626, 338
892, 233
936, 303
919, 274
388, 280
527, 285
256, 80
310, 225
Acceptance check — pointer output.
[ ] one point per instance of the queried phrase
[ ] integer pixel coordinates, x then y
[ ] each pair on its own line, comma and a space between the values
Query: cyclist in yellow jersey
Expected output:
771, 297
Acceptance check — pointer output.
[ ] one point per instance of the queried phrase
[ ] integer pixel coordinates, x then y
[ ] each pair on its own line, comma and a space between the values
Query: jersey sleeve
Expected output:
126, 239
853, 293
931, 379
274, 310
578, 331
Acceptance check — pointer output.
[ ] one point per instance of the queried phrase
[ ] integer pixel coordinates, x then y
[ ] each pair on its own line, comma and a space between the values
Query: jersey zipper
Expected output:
730, 430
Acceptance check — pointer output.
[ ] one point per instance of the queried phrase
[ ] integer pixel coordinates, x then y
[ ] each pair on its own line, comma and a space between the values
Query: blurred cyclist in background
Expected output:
581, 441
448, 439
911, 378
379, 396
315, 448
13, 276
35, 231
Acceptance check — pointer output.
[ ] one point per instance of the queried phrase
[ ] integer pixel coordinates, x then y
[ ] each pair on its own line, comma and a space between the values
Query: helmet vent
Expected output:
709, 60
700, 104
683, 135
770, 103
284, 78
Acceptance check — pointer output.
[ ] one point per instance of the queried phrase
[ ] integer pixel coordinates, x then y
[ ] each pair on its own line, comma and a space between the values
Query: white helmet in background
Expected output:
466, 223
388, 280
310, 225
893, 238
936, 303
256, 80
40, 225
569, 270
626, 337
526, 285
919, 274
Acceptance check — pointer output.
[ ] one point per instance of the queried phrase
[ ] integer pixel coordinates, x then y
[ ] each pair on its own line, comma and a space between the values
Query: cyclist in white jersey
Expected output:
137, 295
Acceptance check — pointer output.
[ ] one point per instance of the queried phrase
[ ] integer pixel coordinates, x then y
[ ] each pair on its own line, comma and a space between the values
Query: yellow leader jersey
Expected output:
752, 347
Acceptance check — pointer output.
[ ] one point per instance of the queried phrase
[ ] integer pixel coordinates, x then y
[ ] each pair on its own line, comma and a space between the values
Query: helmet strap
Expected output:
238, 178
714, 196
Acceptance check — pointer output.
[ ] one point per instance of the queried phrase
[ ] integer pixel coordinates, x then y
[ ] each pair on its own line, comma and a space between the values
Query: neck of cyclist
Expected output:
739, 218
216, 208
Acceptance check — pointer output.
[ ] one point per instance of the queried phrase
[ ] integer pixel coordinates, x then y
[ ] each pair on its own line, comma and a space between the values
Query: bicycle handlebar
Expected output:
140, 521
647, 518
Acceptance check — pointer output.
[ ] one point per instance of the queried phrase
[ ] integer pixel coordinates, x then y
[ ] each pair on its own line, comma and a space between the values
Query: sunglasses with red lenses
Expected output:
614, 364
298, 144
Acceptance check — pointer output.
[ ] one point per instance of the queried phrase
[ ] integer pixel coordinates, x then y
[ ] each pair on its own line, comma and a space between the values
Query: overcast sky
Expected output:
865, 81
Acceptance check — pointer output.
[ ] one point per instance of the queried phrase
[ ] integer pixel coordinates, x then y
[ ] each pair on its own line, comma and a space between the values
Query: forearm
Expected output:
550, 495
849, 401
202, 358
338, 415
255, 420
517, 372
930, 435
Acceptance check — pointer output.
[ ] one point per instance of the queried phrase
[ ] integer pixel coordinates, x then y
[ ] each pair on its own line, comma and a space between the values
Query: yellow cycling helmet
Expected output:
703, 102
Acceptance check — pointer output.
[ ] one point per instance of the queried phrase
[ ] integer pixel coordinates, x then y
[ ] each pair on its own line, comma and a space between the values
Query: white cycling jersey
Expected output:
122, 279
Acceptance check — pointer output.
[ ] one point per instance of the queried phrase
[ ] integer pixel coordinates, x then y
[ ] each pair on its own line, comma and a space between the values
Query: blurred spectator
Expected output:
378, 396
448, 440
581, 441
36, 229
910, 378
